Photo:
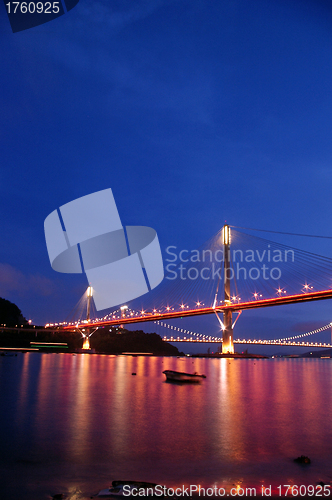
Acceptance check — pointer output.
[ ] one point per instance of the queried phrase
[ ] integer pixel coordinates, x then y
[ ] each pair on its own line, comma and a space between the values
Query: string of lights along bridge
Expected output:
232, 272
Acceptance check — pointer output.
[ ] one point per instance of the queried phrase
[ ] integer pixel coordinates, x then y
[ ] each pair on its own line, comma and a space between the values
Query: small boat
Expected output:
128, 489
173, 376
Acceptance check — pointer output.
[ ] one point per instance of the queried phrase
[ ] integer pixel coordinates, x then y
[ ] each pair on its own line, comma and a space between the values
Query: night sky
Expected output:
193, 112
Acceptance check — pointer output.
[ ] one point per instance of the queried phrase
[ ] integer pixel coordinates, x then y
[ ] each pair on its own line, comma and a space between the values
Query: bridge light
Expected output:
123, 308
226, 235
89, 291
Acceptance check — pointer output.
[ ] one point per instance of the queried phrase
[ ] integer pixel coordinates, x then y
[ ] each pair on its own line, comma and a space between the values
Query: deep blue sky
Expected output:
193, 112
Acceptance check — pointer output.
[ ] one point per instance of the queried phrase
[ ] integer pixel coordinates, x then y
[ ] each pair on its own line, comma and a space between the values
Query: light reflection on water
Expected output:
81, 421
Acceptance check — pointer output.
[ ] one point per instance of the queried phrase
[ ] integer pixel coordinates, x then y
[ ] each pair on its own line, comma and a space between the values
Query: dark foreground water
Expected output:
73, 423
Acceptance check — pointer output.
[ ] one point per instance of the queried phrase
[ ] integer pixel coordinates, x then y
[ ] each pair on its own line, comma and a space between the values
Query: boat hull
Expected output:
174, 376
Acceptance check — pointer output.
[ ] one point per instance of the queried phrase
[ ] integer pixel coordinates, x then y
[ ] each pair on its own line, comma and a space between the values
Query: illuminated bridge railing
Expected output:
215, 340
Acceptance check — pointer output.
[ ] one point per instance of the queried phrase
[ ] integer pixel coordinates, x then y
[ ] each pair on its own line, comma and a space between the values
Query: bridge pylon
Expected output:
227, 336
86, 341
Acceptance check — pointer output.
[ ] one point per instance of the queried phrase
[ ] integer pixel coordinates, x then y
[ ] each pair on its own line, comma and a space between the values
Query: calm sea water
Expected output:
73, 423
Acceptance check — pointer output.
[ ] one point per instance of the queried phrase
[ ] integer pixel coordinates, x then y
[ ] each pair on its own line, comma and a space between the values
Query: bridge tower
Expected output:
227, 336
86, 342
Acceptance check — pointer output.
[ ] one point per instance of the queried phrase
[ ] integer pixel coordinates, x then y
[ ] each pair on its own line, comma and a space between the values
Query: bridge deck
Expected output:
276, 301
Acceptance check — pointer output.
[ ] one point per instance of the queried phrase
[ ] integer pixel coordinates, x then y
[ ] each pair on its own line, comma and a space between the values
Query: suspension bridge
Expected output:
217, 272
231, 273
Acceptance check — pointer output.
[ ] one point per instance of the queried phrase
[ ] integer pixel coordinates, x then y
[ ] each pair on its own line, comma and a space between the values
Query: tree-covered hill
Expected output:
121, 340
10, 314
